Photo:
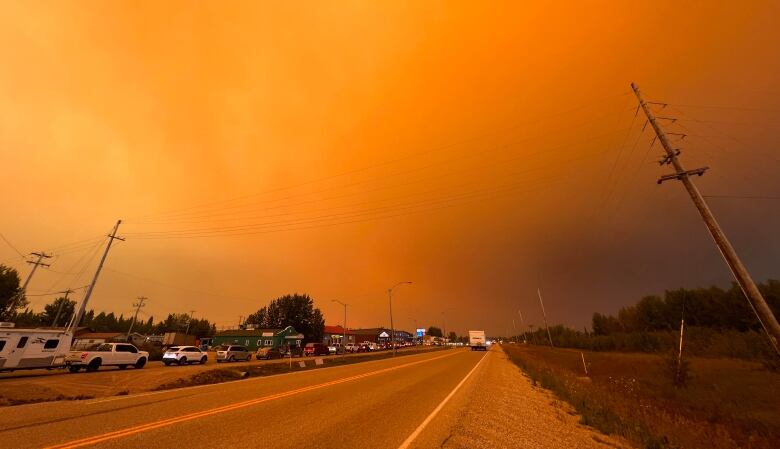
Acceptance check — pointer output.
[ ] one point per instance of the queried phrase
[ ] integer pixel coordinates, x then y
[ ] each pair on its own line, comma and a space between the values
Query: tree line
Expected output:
14, 307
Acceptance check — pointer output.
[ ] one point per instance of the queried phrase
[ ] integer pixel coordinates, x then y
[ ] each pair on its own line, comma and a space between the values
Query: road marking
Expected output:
219, 384
438, 408
226, 408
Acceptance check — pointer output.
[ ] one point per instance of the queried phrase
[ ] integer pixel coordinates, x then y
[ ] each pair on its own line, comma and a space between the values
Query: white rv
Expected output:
33, 348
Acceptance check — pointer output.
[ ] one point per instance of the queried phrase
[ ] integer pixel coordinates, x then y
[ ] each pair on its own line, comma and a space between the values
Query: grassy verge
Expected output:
728, 403
16, 401
236, 372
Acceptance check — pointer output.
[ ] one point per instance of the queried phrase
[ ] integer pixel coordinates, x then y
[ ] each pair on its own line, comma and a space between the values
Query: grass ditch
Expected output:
238, 372
728, 403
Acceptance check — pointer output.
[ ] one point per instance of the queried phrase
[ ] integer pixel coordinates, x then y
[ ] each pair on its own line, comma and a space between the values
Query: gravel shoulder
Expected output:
498, 407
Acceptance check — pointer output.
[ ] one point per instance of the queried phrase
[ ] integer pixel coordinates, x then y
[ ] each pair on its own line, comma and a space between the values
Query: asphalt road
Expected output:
109, 381
377, 404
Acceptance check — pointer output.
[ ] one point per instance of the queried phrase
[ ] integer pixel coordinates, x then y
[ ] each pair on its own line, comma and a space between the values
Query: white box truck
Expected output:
477, 341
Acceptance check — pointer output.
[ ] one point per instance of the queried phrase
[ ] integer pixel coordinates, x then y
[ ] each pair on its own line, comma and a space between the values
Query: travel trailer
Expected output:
33, 348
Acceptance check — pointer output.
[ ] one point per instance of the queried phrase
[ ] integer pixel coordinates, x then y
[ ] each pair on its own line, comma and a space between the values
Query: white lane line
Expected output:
438, 408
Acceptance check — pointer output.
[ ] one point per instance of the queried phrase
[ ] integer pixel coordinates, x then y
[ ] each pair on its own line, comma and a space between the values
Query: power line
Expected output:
10, 245
384, 163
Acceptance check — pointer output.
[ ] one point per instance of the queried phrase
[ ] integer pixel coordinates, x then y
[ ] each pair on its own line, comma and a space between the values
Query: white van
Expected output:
33, 348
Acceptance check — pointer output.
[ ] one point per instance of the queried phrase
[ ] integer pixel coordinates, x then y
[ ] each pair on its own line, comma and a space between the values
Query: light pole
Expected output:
344, 336
390, 301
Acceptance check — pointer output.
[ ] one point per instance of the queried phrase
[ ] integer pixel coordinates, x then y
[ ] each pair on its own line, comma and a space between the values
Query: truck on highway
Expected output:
477, 341
33, 348
178, 339
107, 354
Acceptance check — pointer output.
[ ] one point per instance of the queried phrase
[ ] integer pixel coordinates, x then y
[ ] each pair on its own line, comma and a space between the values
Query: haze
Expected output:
480, 151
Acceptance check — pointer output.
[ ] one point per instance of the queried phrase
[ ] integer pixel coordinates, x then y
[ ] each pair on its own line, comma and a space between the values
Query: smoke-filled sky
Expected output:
481, 150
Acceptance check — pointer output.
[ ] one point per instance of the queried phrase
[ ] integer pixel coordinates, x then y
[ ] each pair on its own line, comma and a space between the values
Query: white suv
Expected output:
183, 355
351, 347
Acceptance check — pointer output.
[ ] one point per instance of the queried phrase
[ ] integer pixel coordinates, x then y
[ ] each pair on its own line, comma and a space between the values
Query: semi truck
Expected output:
477, 341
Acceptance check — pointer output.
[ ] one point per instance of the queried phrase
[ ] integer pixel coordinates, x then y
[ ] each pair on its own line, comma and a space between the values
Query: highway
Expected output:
378, 404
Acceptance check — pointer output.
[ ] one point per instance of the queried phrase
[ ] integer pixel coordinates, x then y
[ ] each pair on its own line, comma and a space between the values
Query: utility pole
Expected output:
522, 326
544, 315
390, 301
35, 263
189, 321
111, 237
738, 269
62, 304
137, 306
344, 335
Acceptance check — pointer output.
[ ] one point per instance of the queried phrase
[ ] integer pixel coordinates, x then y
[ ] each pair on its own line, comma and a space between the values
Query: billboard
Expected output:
420, 333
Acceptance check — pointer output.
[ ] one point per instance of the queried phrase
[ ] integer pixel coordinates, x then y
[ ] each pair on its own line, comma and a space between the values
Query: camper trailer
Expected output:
33, 348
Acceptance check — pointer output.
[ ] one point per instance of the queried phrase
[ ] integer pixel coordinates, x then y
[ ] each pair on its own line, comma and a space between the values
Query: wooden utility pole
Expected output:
738, 270
35, 263
189, 321
62, 304
544, 316
137, 306
77, 316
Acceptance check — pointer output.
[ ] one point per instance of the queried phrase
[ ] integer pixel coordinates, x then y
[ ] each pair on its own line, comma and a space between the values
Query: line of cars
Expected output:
123, 355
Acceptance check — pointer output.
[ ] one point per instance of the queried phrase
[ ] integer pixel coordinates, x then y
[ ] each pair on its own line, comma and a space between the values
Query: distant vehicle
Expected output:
477, 341
336, 348
231, 353
121, 355
368, 346
351, 347
294, 351
183, 355
33, 348
178, 339
268, 353
315, 349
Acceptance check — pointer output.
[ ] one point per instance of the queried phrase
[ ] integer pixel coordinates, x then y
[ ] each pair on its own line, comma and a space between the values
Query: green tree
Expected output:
50, 311
11, 297
435, 332
294, 310
452, 336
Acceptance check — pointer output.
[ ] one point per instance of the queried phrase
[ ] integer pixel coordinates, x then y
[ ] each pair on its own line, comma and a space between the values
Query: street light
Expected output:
390, 300
344, 336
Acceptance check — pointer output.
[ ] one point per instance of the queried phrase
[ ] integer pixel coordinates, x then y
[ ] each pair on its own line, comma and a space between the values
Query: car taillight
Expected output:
84, 355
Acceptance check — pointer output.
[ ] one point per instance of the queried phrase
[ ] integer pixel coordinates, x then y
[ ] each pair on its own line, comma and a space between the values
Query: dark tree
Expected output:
11, 297
53, 311
295, 310
435, 332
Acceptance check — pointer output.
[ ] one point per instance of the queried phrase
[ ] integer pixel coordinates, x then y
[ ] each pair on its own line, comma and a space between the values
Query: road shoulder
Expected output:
498, 407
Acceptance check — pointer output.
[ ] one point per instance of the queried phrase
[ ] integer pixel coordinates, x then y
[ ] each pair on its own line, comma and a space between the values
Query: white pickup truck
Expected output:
106, 354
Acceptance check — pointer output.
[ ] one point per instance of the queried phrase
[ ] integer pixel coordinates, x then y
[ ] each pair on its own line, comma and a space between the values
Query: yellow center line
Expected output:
226, 408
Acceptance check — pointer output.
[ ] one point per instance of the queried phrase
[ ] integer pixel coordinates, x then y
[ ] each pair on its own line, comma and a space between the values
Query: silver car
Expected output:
233, 353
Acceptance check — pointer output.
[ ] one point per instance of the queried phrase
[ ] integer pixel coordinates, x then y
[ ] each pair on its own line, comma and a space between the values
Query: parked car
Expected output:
121, 355
296, 351
315, 349
232, 353
268, 353
183, 355
335, 348
351, 347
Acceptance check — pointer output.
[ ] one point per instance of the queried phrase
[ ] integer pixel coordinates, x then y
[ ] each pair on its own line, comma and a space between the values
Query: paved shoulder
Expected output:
499, 408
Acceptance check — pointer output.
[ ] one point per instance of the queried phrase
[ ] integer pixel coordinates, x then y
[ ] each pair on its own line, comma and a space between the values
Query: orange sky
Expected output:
477, 149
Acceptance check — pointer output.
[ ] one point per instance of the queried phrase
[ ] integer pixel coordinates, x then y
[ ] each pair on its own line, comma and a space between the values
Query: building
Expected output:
254, 339
335, 334
381, 335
